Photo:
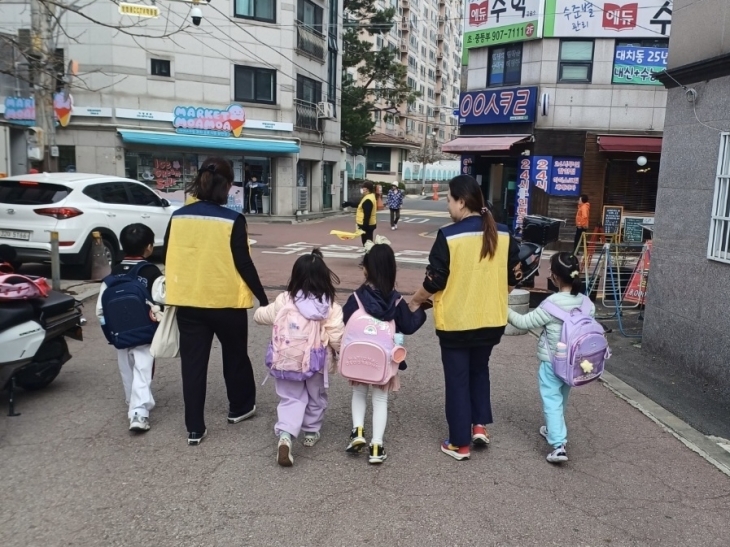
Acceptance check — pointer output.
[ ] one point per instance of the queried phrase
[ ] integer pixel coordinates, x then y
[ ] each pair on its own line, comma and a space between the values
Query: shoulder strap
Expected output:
134, 270
555, 310
357, 299
586, 305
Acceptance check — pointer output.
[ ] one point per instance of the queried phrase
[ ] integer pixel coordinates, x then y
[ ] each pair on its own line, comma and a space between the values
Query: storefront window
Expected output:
166, 172
632, 187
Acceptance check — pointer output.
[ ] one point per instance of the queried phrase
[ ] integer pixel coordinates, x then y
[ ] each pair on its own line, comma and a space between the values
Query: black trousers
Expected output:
394, 217
578, 233
368, 235
468, 390
197, 328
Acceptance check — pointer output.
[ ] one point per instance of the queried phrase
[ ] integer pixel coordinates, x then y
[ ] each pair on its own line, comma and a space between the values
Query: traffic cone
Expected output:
100, 267
435, 192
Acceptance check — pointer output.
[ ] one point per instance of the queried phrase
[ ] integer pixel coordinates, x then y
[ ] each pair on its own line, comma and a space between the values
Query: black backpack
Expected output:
127, 321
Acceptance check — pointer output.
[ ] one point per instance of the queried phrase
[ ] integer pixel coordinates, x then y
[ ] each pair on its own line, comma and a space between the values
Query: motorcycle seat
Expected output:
54, 304
15, 313
527, 249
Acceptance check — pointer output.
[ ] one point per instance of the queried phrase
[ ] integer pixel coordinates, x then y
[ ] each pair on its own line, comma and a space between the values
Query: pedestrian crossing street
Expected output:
417, 213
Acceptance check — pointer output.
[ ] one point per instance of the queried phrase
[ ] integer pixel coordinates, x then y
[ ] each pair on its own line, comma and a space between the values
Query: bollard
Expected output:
55, 263
435, 192
519, 301
379, 196
100, 267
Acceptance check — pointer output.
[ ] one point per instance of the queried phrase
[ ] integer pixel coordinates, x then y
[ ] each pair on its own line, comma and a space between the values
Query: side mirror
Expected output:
165, 203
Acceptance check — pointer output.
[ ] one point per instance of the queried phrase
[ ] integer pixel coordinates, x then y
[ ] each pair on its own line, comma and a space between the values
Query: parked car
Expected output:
76, 205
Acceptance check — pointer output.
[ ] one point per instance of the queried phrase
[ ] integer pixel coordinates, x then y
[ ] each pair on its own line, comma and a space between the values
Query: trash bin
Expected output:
265, 204
519, 301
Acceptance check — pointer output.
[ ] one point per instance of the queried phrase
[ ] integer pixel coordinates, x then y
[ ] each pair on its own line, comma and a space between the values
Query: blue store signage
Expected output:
522, 196
515, 105
565, 177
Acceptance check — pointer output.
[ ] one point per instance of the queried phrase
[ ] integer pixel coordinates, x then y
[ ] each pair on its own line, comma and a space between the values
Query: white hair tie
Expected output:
575, 274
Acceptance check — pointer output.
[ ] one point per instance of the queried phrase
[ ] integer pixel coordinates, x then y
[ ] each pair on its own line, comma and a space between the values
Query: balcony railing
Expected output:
306, 115
311, 42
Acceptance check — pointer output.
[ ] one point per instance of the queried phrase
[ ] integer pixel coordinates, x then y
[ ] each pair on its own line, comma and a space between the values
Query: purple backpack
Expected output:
587, 347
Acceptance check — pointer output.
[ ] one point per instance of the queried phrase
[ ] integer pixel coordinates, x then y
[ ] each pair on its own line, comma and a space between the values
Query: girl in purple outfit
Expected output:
302, 403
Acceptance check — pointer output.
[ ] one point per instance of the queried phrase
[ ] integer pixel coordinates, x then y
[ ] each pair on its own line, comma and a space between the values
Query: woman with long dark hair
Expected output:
210, 277
471, 266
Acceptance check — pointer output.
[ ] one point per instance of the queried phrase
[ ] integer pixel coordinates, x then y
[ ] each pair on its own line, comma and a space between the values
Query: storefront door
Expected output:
327, 185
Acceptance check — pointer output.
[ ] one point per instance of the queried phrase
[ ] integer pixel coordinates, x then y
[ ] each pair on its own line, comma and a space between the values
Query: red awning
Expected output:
626, 143
482, 144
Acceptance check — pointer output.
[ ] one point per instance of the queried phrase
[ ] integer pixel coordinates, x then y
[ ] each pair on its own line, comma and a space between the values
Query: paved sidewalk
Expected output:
73, 475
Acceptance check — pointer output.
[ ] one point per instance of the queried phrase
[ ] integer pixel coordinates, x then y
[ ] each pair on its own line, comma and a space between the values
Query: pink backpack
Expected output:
584, 338
369, 353
21, 287
295, 351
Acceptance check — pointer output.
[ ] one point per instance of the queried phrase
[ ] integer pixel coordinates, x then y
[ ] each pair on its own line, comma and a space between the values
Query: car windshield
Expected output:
18, 192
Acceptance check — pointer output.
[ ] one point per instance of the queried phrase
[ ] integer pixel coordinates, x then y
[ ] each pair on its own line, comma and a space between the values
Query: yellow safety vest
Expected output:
199, 269
360, 217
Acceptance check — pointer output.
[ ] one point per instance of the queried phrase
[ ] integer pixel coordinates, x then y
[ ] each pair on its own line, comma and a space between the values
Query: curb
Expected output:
699, 443
86, 295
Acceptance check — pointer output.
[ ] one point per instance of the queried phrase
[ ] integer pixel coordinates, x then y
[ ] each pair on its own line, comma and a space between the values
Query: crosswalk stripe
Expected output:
416, 213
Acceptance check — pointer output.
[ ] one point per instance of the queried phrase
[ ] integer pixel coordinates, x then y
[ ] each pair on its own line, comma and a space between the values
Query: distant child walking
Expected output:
376, 318
123, 308
307, 329
565, 273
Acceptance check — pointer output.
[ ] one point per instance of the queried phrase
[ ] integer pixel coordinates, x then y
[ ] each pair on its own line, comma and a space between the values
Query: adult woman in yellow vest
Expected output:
366, 217
210, 277
471, 264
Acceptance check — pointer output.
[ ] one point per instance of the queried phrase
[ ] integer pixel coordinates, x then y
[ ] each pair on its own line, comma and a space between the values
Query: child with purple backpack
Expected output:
572, 348
307, 329
376, 318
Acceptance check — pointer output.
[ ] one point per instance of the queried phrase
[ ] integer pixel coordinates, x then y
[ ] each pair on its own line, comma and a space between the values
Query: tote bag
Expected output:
166, 343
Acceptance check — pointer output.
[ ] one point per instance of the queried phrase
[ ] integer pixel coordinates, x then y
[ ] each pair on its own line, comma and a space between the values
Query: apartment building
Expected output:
427, 37
257, 82
690, 327
561, 100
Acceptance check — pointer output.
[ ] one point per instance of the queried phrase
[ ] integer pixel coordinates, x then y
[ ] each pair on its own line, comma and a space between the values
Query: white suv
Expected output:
75, 205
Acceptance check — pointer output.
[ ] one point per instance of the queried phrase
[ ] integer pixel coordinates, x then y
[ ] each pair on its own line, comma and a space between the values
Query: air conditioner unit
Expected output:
325, 111
405, 22
440, 37
303, 199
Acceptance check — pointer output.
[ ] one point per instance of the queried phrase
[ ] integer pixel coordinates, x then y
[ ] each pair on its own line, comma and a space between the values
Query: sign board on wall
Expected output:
498, 106
541, 169
612, 219
608, 18
637, 65
467, 162
491, 22
522, 197
565, 177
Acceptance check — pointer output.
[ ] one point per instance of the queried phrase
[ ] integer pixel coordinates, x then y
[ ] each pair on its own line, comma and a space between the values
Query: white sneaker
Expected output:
558, 455
284, 456
543, 431
392, 227
139, 423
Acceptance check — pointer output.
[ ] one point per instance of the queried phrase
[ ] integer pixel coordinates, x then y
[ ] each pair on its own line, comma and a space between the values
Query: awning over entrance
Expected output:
176, 140
483, 144
629, 143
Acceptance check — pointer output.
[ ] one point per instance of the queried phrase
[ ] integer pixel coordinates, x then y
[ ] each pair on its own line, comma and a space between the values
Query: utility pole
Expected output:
43, 72
426, 135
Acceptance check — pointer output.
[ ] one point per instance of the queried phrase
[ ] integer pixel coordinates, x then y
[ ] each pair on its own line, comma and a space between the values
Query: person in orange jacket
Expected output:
581, 220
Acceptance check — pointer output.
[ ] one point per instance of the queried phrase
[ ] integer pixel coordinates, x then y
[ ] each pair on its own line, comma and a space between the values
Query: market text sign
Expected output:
498, 106
492, 22
210, 122
602, 19
21, 110
638, 65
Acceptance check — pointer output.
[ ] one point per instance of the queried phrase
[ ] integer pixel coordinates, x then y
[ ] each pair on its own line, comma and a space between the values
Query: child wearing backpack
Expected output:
376, 318
123, 308
572, 348
307, 329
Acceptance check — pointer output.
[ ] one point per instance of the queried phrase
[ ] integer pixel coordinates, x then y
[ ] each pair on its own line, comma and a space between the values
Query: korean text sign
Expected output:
542, 167
608, 18
637, 65
522, 198
490, 22
565, 177
498, 106
210, 122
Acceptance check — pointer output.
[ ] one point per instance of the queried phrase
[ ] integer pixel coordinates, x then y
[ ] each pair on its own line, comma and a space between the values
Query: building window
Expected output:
644, 42
261, 10
310, 14
378, 159
309, 93
160, 67
576, 61
254, 85
505, 65
718, 247
332, 77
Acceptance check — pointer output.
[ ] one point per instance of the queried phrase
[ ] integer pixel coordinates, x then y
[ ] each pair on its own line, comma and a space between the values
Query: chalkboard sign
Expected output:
612, 219
633, 230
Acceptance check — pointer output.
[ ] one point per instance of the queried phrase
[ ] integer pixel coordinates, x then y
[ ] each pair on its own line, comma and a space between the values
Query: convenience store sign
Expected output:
493, 22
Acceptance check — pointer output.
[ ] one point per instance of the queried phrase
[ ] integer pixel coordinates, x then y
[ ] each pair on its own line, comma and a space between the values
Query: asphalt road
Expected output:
73, 475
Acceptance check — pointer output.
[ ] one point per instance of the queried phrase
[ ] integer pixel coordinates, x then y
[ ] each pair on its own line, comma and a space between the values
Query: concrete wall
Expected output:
704, 32
687, 316
598, 105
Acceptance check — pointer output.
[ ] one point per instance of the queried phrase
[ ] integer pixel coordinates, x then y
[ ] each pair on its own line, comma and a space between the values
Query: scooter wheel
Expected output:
45, 367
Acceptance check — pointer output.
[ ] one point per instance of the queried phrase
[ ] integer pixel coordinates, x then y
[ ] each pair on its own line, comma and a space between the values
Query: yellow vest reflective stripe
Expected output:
199, 270
476, 294
360, 217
